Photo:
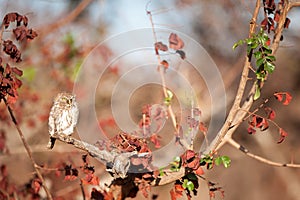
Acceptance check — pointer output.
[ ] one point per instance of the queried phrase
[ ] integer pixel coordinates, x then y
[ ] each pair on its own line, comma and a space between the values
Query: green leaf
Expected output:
249, 41
260, 75
257, 54
176, 164
254, 45
192, 176
238, 43
218, 161
161, 171
184, 184
257, 92
269, 67
169, 97
226, 161
271, 58
177, 159
76, 69
267, 51
29, 73
259, 62
190, 186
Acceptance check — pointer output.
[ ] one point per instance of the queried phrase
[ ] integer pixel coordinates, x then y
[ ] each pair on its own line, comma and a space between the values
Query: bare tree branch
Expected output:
65, 20
121, 161
234, 114
236, 145
28, 150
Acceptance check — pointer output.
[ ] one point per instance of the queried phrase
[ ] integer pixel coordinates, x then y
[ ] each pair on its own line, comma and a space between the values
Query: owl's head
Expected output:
64, 98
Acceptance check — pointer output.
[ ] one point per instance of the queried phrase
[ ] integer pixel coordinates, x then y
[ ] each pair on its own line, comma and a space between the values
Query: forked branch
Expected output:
28, 151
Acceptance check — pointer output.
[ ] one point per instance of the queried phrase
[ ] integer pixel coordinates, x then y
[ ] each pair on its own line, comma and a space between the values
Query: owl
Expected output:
63, 116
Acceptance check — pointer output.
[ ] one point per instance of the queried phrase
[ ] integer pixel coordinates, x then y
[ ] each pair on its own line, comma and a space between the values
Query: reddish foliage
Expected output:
9, 76
90, 179
160, 46
11, 49
258, 122
270, 113
203, 128
12, 17
287, 23
181, 53
283, 97
283, 134
176, 192
70, 173
165, 64
191, 160
98, 195
277, 16
199, 171
144, 187
251, 130
36, 185
22, 33
175, 42
154, 138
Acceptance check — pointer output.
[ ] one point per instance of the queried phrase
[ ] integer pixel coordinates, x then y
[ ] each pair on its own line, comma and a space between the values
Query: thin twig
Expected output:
164, 87
236, 145
82, 190
28, 150
65, 20
233, 113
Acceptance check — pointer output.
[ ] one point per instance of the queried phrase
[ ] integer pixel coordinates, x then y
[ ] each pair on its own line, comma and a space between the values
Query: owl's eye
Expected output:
69, 101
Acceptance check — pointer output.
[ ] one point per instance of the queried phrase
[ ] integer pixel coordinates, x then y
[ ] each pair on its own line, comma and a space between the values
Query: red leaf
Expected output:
160, 46
277, 16
17, 71
18, 83
189, 154
199, 171
264, 23
270, 113
202, 127
12, 100
175, 42
265, 125
194, 164
283, 97
155, 140
10, 17
36, 185
287, 23
251, 130
176, 192
90, 179
181, 53
165, 64
283, 134
259, 122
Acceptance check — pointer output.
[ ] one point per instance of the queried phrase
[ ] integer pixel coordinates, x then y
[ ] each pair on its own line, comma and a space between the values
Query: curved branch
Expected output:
65, 20
28, 150
236, 145
234, 114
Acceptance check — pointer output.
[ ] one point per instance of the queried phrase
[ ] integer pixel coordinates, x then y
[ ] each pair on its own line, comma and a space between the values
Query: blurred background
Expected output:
69, 29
